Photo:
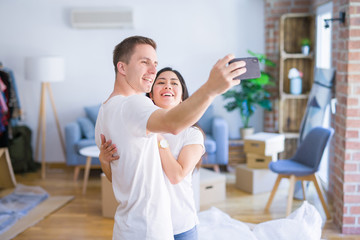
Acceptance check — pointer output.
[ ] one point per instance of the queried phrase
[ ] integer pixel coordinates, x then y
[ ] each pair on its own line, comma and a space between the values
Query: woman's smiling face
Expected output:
167, 90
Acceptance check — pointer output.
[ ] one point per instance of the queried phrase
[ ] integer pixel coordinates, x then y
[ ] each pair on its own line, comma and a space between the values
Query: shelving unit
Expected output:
293, 28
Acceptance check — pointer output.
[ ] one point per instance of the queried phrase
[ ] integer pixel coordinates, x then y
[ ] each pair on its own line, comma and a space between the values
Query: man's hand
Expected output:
222, 75
108, 151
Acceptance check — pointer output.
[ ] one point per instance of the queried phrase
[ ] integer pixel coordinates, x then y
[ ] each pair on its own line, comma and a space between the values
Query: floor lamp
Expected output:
45, 70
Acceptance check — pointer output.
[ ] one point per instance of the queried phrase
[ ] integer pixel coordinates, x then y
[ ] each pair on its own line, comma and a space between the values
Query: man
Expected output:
130, 119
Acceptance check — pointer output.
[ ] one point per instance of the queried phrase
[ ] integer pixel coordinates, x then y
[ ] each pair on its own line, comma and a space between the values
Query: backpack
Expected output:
20, 150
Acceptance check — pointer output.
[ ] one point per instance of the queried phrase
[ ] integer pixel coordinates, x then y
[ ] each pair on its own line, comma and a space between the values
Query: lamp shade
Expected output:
45, 69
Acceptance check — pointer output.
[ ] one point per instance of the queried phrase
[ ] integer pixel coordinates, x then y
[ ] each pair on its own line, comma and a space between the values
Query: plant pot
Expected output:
244, 132
305, 49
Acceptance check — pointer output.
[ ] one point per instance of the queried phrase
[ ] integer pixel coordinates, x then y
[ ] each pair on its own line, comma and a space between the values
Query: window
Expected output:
323, 36
323, 60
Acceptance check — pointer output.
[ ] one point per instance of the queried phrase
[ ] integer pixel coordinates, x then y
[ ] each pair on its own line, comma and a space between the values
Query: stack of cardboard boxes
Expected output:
260, 148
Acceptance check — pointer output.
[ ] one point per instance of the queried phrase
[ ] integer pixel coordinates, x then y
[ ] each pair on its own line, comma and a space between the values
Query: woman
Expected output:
179, 154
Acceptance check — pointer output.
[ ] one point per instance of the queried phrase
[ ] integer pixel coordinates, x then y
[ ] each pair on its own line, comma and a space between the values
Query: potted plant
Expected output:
250, 93
305, 46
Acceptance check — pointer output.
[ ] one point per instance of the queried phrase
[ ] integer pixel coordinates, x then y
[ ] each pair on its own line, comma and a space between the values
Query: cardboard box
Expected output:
264, 143
196, 188
108, 201
212, 187
253, 180
260, 161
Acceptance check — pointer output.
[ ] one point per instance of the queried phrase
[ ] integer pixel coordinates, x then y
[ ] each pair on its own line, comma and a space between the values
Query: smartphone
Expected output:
252, 68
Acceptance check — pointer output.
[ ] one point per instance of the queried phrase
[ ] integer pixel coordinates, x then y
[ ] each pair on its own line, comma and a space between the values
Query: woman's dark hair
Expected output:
185, 93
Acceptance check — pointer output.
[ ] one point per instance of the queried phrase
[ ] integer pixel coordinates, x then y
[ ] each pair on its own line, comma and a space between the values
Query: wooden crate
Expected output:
292, 114
236, 152
306, 66
295, 27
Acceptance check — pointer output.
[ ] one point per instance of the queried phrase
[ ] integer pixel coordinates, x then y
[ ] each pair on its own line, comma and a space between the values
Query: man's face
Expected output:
141, 70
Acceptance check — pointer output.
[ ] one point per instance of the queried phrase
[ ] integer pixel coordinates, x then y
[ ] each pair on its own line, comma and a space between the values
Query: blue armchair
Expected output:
217, 139
79, 134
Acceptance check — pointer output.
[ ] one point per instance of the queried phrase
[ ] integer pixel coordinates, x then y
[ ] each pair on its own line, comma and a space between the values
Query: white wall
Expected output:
191, 37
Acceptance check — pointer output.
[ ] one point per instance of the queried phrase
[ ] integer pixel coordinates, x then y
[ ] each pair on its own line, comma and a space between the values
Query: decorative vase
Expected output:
305, 49
244, 132
296, 85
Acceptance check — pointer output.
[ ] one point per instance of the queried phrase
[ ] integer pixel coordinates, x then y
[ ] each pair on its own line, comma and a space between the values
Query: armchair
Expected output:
216, 140
303, 166
80, 134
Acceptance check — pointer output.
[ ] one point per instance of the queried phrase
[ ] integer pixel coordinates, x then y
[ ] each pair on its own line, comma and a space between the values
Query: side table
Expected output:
89, 152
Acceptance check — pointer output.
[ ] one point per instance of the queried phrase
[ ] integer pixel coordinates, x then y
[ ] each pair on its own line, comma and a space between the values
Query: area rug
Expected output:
36, 214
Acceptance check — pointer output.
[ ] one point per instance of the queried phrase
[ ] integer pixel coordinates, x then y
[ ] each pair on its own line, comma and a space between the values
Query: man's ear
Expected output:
151, 95
121, 68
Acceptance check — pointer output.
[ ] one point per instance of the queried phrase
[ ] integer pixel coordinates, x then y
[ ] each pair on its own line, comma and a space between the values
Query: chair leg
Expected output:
303, 188
321, 195
291, 194
76, 173
273, 192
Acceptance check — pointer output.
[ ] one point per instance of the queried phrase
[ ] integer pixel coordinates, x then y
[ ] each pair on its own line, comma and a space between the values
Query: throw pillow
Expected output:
92, 112
87, 127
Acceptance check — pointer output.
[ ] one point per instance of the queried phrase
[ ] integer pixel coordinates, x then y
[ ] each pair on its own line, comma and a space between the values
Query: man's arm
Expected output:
189, 112
107, 151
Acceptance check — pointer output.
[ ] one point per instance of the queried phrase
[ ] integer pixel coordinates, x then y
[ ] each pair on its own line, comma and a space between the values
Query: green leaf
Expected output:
251, 93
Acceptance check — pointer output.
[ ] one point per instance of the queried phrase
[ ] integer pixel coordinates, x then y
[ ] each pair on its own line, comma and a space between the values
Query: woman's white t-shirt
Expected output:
183, 210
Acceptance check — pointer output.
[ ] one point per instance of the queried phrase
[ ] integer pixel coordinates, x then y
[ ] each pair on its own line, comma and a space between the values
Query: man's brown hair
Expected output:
124, 50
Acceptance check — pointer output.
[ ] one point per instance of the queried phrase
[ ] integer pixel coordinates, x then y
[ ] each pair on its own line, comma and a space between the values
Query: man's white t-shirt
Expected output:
137, 178
183, 210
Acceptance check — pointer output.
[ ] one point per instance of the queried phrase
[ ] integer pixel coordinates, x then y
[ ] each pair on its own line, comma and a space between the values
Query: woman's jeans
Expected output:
192, 234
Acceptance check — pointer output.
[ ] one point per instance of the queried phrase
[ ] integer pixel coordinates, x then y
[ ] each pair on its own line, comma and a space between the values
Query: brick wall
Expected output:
345, 161
345, 180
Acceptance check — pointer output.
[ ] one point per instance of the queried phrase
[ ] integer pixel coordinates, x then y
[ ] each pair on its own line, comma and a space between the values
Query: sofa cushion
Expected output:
205, 121
87, 127
210, 145
92, 112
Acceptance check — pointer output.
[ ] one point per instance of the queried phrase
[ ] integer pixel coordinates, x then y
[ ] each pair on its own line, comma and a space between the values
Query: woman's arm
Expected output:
107, 151
177, 170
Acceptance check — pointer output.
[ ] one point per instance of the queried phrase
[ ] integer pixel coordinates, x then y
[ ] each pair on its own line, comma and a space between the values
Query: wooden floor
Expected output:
82, 219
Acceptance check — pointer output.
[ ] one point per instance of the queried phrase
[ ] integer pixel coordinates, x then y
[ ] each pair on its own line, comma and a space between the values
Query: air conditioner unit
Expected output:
102, 18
